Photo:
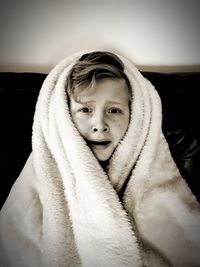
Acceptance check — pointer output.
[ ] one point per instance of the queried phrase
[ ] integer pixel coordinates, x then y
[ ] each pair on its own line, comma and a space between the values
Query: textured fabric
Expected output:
64, 210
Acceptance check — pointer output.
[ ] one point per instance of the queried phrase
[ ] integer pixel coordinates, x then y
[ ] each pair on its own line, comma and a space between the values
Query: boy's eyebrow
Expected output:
116, 102
92, 102
80, 101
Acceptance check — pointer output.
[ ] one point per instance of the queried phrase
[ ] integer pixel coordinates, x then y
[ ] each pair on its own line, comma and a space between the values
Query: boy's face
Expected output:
101, 114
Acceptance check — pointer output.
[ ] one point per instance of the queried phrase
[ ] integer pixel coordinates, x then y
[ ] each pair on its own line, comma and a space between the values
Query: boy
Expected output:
100, 187
99, 97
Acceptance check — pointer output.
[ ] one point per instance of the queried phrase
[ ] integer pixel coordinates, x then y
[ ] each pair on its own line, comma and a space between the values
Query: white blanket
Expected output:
64, 210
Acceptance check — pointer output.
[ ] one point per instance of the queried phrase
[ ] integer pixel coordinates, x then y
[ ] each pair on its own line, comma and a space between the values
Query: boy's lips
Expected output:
98, 144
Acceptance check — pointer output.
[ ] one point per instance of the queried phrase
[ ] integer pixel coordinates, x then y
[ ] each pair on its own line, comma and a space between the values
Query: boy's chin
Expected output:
102, 156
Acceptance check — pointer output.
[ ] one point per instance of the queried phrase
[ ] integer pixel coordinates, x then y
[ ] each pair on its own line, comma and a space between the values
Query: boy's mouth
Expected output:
98, 144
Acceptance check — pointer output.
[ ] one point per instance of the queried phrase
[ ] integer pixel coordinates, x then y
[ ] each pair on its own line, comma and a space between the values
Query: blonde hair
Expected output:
92, 68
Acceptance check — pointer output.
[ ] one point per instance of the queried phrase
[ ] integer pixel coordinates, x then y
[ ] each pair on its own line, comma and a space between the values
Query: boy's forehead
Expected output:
105, 97
109, 87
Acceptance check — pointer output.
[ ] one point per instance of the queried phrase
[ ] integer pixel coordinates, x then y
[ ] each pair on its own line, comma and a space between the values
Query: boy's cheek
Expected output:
82, 127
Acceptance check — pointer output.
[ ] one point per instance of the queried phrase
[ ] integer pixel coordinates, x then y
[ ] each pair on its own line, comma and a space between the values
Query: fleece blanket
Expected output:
65, 210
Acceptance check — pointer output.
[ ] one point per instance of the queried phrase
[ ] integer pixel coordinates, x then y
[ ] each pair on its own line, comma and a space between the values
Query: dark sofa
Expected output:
180, 95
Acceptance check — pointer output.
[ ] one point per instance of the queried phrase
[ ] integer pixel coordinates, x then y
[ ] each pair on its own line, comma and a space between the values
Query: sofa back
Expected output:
180, 96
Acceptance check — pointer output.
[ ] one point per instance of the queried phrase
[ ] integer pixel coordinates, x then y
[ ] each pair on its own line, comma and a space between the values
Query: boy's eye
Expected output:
85, 110
114, 110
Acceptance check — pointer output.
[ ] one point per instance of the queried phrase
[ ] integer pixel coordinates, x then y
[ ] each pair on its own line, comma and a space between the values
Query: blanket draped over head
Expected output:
65, 210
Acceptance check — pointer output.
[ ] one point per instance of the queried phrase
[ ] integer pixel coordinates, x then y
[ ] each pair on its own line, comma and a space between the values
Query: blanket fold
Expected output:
65, 210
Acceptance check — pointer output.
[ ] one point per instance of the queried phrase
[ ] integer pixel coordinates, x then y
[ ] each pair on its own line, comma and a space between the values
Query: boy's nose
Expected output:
104, 129
99, 125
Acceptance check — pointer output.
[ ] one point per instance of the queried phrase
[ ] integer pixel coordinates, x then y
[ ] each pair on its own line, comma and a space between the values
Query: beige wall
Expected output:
155, 34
